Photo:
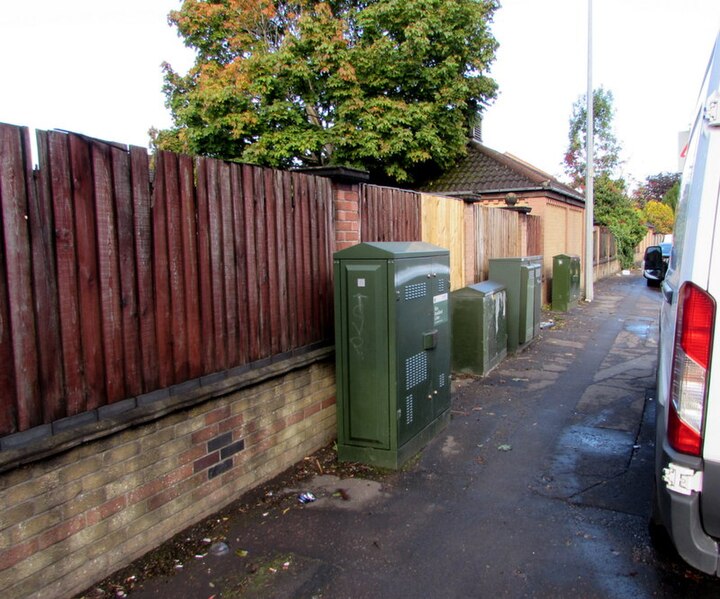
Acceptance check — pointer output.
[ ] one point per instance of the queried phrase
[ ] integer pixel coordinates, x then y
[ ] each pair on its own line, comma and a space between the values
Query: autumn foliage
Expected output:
389, 86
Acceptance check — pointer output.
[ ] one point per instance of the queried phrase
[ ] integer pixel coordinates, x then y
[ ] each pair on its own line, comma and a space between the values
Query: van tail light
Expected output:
691, 359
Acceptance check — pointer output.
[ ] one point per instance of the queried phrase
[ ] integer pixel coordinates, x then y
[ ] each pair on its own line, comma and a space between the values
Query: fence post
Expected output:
471, 274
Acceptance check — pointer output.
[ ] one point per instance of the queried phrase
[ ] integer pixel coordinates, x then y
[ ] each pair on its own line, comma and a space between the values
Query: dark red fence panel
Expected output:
112, 286
45, 281
56, 169
17, 335
389, 214
143, 245
107, 252
127, 272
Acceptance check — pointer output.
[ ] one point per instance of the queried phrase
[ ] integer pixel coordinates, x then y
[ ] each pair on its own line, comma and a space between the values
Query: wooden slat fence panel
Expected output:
204, 266
8, 408
241, 280
534, 235
497, 235
304, 264
58, 167
314, 256
253, 300
142, 229
47, 313
326, 236
161, 260
188, 226
176, 270
284, 300
109, 274
20, 334
262, 266
293, 256
229, 263
81, 175
130, 327
273, 273
443, 225
111, 286
217, 265
389, 214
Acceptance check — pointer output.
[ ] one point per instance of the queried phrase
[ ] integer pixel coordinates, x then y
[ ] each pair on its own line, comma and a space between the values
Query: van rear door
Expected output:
706, 273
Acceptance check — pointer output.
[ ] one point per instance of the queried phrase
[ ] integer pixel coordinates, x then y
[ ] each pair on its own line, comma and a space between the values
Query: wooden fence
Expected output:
473, 233
389, 214
443, 223
111, 286
502, 234
118, 279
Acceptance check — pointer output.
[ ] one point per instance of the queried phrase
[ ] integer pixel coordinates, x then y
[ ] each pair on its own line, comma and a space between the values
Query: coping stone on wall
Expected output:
49, 439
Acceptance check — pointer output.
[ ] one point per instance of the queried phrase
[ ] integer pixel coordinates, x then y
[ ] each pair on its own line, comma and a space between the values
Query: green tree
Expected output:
655, 187
671, 196
614, 209
606, 155
612, 206
390, 86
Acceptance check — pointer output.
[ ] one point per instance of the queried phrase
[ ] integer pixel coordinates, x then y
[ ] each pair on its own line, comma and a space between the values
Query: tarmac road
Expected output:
539, 487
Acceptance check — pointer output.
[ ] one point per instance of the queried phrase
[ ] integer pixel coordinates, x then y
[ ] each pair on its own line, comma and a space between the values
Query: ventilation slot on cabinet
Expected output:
415, 291
409, 409
416, 369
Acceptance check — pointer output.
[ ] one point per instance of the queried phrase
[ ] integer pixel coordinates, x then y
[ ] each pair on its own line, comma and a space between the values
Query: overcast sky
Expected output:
93, 66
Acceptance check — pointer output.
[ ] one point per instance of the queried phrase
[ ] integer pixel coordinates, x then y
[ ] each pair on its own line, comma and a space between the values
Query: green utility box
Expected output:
565, 282
522, 278
479, 327
392, 344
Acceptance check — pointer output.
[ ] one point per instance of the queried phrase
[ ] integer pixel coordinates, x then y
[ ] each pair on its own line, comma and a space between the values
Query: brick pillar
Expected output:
347, 214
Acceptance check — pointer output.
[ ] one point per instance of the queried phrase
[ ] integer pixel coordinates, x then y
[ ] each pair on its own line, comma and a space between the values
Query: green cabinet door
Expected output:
365, 351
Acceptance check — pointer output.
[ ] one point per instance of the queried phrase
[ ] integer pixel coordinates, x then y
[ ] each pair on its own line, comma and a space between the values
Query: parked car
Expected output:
655, 263
687, 470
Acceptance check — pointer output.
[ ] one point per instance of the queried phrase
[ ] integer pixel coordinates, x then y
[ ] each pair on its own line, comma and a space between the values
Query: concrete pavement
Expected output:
539, 487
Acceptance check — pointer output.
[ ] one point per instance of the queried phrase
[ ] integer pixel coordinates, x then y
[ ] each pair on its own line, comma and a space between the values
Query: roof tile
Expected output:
485, 170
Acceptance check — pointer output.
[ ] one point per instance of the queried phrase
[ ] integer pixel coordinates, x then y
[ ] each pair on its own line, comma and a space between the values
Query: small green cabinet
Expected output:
392, 344
565, 282
479, 327
522, 277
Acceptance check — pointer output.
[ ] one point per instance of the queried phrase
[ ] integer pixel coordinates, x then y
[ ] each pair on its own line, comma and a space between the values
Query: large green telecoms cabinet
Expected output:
392, 344
522, 277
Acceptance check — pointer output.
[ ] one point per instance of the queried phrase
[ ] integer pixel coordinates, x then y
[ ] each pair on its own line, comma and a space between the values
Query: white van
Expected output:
687, 499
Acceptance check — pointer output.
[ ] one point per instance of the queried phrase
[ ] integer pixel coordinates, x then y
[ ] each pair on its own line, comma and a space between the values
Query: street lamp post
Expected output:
589, 244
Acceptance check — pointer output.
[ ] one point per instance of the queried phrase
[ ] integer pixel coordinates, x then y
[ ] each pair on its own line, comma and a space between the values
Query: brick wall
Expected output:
69, 520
